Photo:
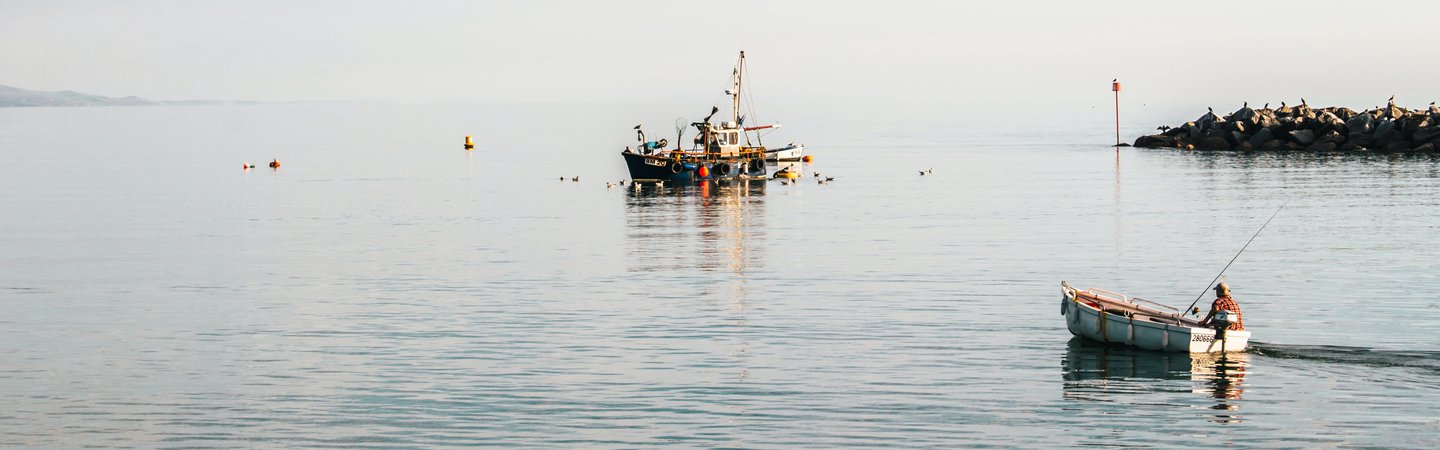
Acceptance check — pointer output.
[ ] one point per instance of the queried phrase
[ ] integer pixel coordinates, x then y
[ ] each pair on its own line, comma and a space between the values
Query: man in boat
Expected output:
1223, 302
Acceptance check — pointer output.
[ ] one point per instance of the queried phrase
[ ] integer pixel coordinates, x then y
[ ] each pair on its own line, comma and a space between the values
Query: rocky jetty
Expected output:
1302, 128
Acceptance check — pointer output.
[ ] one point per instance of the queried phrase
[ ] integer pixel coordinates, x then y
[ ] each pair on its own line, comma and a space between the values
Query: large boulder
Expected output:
1395, 147
1268, 121
1155, 141
1360, 123
1385, 132
1329, 121
1244, 114
1322, 146
1330, 136
1261, 137
1303, 137
1213, 143
1427, 134
1360, 139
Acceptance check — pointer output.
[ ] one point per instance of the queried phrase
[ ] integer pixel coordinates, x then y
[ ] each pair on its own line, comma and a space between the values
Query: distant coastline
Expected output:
13, 97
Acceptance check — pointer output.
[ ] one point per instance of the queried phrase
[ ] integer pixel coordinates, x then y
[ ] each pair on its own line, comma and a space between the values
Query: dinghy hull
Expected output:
1112, 318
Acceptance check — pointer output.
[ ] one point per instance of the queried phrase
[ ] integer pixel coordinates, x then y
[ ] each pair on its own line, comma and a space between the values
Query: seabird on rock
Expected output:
1267, 105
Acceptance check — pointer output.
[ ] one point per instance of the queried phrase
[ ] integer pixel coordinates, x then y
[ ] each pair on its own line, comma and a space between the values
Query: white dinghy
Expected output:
1112, 317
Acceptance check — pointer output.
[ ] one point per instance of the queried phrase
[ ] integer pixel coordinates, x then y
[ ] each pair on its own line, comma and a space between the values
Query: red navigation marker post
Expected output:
1115, 86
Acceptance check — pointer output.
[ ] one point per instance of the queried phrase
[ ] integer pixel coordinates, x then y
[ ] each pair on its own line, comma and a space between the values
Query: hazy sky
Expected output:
929, 55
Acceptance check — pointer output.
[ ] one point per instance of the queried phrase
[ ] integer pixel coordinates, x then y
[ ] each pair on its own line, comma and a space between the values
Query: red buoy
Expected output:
703, 171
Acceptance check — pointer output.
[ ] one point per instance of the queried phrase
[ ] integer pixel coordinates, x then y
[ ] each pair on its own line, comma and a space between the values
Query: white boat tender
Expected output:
1112, 317
791, 152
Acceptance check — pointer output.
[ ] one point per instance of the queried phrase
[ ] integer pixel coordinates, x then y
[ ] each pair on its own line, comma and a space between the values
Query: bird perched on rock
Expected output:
1163, 128
1392, 100
1245, 105
1302, 102
1267, 106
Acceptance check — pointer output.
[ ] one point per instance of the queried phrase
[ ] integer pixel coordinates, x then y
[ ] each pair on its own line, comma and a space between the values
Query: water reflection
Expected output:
1097, 372
710, 226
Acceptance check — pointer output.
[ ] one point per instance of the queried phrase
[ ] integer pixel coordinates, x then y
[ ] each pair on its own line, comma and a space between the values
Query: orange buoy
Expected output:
703, 171
808, 158
275, 164
246, 166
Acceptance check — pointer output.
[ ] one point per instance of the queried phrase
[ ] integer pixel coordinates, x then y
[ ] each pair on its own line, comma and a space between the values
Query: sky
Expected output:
926, 57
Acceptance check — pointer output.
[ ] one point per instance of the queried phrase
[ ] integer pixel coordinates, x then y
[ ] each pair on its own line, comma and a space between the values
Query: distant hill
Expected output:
13, 96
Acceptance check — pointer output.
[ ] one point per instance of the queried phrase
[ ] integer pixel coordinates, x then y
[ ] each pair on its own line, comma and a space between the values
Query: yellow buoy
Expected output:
808, 158
469, 144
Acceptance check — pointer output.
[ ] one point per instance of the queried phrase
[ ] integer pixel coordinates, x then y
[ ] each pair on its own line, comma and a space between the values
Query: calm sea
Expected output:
386, 288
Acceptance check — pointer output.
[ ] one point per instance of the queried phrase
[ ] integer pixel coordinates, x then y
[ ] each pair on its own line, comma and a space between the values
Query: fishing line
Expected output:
1237, 256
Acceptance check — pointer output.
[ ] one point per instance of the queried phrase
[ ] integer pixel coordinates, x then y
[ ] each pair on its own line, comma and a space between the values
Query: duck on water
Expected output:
721, 151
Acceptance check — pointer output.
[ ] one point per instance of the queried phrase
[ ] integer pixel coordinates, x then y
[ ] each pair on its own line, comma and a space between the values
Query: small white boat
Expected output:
1112, 317
791, 152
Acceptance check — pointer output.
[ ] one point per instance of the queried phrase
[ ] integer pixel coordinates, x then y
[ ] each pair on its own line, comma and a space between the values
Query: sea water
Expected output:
386, 288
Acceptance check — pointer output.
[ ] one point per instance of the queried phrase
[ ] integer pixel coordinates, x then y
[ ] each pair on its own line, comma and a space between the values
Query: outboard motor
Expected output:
1221, 321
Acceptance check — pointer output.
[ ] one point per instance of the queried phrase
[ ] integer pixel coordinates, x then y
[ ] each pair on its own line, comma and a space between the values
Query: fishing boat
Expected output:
1111, 317
720, 151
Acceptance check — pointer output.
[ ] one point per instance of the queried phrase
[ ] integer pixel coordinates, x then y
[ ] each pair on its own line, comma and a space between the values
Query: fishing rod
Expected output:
1237, 256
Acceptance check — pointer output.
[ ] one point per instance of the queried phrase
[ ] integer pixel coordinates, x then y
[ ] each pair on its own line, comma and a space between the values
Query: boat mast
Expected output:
739, 83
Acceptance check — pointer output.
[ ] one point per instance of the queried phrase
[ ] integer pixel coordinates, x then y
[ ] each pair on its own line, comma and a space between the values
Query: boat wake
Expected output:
1427, 361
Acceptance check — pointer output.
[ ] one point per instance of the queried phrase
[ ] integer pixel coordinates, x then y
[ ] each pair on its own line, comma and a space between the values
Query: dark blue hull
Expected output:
661, 168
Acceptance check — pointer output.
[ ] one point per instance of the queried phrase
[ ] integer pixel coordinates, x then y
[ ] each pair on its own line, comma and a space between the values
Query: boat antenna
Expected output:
1237, 256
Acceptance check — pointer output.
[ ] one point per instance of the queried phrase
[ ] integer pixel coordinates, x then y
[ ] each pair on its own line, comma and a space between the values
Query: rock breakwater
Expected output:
1301, 128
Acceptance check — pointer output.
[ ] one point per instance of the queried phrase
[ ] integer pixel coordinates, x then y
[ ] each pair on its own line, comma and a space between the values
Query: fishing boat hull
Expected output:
790, 152
1112, 318
662, 167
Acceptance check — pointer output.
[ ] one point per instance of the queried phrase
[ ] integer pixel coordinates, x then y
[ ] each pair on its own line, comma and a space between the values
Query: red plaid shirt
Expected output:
1228, 304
